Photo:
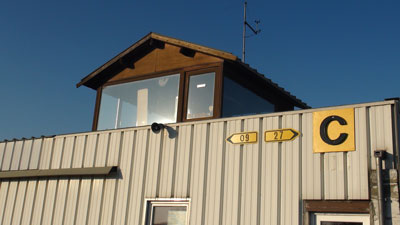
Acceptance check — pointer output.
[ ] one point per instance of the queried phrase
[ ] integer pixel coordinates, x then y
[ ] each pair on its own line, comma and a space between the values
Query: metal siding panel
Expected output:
152, 166
53, 183
35, 154
214, 179
60, 201
231, 181
311, 166
29, 200
45, 161
17, 152
97, 182
26, 154
63, 184
71, 202
123, 181
7, 156
3, 197
381, 133
334, 175
290, 174
91, 144
197, 176
250, 176
269, 176
2, 150
167, 165
136, 198
9, 207
79, 151
57, 153
19, 202
357, 161
68, 152
110, 183
182, 164
83, 201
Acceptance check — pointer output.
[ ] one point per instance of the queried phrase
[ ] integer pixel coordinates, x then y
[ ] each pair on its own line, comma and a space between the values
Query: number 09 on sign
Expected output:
243, 138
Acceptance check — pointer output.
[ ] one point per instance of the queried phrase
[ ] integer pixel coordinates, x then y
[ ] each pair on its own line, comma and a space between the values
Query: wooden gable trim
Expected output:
117, 60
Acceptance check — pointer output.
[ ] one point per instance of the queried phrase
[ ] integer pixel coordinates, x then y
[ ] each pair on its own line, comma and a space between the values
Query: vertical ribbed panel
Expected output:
153, 162
8, 152
231, 175
45, 160
262, 183
182, 161
269, 176
213, 202
167, 165
25, 156
35, 154
334, 175
136, 199
250, 176
110, 185
357, 161
123, 181
381, 133
311, 163
197, 172
290, 183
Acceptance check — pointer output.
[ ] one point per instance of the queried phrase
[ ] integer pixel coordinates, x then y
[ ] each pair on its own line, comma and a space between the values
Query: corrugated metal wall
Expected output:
262, 183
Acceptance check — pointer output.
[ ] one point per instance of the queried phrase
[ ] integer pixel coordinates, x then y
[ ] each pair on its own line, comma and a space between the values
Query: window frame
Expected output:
217, 107
182, 92
150, 203
140, 78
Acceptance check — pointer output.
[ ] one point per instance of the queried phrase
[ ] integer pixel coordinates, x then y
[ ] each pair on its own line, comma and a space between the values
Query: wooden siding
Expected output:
262, 183
161, 60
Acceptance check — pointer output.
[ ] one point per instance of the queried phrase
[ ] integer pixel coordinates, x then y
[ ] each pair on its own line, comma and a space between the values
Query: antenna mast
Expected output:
255, 31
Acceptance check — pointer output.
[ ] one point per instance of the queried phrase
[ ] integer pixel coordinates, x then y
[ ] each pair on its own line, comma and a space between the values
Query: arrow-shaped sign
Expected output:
288, 134
243, 138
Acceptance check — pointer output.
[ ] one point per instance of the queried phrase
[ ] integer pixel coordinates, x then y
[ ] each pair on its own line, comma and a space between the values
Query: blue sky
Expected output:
324, 52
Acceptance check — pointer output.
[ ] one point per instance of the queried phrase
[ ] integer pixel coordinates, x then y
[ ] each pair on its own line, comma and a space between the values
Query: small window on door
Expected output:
341, 219
167, 212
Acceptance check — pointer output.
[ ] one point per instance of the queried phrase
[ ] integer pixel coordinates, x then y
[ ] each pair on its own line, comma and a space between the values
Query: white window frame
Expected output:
150, 203
340, 217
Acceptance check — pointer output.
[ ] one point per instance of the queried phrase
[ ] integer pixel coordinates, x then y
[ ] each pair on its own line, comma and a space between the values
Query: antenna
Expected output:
246, 24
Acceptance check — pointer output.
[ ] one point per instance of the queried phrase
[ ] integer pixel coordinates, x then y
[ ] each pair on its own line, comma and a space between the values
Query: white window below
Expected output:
167, 212
341, 219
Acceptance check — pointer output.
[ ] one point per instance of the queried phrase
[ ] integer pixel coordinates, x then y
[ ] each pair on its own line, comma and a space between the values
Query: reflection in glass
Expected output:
169, 215
139, 103
201, 96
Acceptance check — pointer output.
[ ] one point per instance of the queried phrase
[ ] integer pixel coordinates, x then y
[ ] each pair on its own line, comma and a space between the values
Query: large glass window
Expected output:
167, 213
201, 96
139, 103
239, 101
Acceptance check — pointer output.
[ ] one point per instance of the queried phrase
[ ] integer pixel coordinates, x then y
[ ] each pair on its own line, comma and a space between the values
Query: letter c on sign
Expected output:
324, 130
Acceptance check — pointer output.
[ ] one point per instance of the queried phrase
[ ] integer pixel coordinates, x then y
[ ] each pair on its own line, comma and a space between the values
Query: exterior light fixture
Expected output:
157, 127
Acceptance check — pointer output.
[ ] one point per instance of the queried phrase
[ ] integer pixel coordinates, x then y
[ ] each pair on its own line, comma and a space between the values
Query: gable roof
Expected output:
94, 78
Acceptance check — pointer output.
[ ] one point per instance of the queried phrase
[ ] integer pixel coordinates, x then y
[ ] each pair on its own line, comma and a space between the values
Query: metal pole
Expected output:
379, 155
244, 32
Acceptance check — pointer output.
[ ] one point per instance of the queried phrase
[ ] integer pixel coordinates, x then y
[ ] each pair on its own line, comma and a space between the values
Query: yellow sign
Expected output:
281, 135
243, 138
333, 130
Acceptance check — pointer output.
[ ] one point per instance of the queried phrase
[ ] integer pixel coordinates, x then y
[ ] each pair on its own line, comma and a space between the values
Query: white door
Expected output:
341, 219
